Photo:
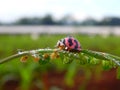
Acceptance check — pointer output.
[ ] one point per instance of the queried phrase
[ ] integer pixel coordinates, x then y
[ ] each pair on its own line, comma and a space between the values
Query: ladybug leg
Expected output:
69, 49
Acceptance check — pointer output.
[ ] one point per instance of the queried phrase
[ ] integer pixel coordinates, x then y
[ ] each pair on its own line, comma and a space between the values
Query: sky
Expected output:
11, 10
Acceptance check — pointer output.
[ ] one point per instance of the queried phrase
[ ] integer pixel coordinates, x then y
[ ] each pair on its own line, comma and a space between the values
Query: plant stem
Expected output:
102, 56
11, 57
25, 53
98, 55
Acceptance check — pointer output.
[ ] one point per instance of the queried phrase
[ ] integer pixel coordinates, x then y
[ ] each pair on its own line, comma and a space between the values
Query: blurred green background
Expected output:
55, 75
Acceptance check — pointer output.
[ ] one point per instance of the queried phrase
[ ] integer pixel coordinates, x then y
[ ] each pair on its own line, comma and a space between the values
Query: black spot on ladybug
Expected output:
58, 44
76, 46
64, 41
70, 42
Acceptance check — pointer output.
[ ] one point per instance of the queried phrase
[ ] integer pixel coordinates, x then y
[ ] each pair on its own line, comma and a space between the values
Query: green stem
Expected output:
98, 55
31, 52
103, 56
12, 57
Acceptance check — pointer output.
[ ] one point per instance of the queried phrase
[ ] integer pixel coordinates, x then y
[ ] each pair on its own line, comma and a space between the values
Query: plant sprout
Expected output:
84, 56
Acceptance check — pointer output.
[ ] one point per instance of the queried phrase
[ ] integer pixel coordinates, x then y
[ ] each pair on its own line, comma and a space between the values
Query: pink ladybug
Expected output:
69, 44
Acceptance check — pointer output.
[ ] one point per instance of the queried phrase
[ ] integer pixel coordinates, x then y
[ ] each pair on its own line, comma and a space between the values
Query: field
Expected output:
15, 75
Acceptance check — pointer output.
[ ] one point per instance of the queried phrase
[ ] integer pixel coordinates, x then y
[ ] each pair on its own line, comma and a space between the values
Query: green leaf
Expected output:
102, 56
118, 73
94, 61
67, 60
43, 61
83, 59
69, 77
106, 65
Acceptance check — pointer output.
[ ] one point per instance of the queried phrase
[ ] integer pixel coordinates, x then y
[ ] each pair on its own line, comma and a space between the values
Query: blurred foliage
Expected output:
65, 20
28, 72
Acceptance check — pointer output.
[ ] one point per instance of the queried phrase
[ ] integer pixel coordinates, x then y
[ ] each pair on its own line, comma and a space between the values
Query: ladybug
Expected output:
69, 44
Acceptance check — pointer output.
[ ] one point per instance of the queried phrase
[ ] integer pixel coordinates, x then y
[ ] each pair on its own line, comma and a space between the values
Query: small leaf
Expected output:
106, 65
67, 60
44, 59
83, 59
94, 61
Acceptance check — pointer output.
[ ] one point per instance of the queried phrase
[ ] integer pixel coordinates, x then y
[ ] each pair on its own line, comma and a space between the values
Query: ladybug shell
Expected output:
72, 44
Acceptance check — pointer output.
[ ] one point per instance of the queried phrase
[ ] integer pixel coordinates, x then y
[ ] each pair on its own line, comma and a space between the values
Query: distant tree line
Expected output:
67, 20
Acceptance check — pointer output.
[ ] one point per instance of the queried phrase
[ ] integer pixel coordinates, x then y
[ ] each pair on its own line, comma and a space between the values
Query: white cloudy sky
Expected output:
11, 10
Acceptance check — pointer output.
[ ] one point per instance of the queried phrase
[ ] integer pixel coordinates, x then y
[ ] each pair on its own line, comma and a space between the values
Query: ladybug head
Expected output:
60, 44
